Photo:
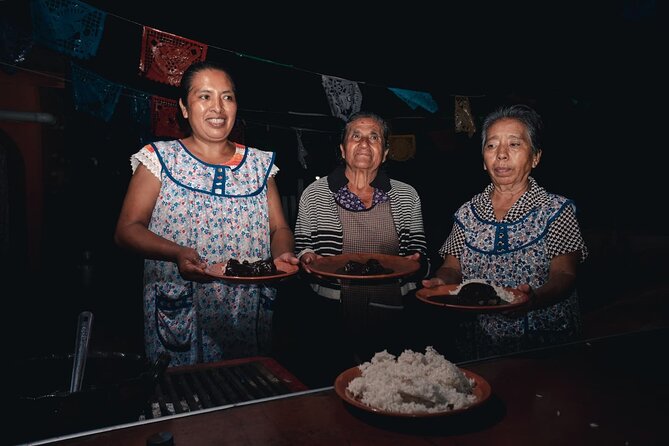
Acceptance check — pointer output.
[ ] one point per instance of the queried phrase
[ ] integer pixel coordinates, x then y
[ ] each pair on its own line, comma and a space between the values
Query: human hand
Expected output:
307, 258
532, 295
191, 266
415, 256
433, 282
288, 257
522, 310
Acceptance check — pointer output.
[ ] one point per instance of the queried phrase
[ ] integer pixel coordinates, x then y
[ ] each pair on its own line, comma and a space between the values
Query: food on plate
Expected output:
266, 267
370, 268
476, 293
412, 383
478, 290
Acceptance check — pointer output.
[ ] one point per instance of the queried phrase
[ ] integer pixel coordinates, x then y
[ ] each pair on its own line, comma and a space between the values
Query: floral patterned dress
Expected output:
222, 212
508, 253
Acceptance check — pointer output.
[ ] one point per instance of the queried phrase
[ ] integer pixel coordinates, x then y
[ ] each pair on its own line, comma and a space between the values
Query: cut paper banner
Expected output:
166, 56
68, 26
164, 122
416, 99
15, 44
301, 151
344, 96
464, 122
94, 94
139, 104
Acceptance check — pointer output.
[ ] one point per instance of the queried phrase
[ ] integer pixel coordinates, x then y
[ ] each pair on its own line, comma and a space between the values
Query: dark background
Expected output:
591, 71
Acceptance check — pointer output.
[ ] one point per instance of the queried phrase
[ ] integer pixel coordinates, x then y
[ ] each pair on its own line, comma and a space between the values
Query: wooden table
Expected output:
606, 391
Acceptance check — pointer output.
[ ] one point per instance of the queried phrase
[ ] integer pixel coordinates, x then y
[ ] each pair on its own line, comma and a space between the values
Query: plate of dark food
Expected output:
364, 266
473, 296
416, 392
259, 271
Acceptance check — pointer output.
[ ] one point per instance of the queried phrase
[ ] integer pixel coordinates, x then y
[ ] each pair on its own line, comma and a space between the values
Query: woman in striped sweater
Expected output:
358, 209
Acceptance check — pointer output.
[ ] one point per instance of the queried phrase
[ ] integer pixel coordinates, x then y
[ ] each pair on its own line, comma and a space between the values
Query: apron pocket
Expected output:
175, 315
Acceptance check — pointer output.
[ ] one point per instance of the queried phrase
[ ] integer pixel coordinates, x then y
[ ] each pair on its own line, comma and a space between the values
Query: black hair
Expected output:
186, 85
187, 78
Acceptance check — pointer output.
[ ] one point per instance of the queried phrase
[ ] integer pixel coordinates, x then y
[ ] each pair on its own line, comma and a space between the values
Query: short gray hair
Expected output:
524, 114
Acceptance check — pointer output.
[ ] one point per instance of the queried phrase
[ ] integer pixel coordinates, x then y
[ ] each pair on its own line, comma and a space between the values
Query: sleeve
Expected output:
149, 158
564, 234
455, 242
418, 242
303, 223
273, 171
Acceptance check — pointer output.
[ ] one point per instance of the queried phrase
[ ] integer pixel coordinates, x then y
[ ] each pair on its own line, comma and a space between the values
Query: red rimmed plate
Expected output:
481, 389
284, 269
441, 296
331, 266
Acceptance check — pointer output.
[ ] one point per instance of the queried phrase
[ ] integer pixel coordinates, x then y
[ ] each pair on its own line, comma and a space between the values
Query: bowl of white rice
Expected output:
412, 384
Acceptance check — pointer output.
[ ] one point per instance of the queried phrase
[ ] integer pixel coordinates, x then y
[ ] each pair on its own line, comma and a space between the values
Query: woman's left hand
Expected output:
415, 256
532, 298
433, 282
527, 289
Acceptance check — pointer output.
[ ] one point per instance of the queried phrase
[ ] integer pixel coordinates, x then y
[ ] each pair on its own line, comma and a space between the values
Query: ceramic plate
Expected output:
441, 297
284, 269
481, 391
331, 266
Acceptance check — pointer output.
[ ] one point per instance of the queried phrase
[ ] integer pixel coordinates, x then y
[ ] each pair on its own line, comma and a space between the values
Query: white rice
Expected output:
505, 295
414, 383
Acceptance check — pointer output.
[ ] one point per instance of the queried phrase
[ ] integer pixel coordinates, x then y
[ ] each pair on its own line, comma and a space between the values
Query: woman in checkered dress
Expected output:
515, 234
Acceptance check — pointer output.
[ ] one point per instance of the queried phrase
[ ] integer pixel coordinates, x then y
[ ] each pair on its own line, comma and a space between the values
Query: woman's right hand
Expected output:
191, 266
448, 272
307, 258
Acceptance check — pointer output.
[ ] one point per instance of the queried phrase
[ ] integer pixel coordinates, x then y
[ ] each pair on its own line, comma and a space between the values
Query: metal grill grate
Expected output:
186, 389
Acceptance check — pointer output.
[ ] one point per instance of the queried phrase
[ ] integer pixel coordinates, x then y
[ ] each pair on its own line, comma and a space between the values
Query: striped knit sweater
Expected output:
319, 230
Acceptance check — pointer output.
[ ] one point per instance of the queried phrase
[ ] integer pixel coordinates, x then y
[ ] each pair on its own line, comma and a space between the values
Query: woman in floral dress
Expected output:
197, 201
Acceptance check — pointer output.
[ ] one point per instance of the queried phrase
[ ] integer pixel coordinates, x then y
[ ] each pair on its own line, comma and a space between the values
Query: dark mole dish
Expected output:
472, 294
253, 269
369, 268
